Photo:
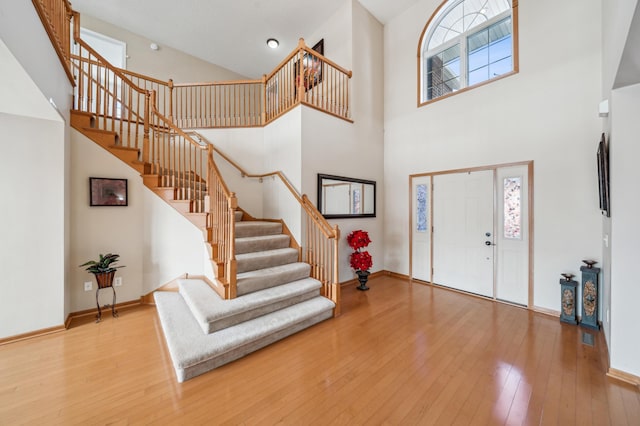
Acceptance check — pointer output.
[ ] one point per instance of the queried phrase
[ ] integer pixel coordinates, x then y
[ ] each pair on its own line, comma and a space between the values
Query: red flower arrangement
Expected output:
359, 260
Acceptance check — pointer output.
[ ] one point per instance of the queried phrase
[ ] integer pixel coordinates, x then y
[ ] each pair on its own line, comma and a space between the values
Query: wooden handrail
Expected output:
58, 29
106, 89
121, 70
214, 167
218, 83
174, 155
323, 85
171, 126
289, 57
113, 69
142, 76
321, 241
303, 46
302, 199
327, 60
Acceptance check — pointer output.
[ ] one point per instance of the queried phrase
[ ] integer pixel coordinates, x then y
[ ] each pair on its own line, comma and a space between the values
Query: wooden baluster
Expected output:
300, 72
325, 68
336, 89
130, 117
208, 106
236, 102
192, 171
335, 285
232, 268
181, 100
228, 106
342, 93
81, 97
185, 172
203, 103
119, 103
145, 138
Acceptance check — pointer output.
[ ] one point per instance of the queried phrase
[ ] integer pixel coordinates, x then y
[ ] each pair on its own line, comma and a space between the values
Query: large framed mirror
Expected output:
343, 197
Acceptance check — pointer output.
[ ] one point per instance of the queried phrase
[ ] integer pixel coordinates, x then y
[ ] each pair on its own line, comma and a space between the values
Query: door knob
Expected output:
488, 243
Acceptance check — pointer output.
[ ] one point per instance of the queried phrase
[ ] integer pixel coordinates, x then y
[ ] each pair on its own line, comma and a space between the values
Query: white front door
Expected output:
463, 229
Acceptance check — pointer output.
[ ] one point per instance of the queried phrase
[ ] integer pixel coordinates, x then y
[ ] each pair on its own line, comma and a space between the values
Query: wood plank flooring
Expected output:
399, 354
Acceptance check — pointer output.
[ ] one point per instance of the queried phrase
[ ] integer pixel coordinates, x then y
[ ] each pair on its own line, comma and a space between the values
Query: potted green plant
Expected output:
104, 269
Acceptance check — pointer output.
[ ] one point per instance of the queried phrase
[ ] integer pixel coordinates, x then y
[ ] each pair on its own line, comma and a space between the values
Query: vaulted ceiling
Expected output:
230, 33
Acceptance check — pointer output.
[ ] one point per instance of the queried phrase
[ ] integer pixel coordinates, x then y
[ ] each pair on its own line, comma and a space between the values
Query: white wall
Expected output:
621, 129
155, 242
332, 146
283, 152
245, 147
616, 21
547, 113
34, 135
22, 32
337, 33
164, 63
32, 255
172, 245
625, 230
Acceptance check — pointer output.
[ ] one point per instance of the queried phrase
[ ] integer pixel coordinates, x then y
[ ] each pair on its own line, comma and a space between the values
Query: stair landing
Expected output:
194, 352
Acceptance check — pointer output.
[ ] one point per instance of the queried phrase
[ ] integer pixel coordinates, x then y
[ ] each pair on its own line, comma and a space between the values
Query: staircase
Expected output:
265, 286
276, 298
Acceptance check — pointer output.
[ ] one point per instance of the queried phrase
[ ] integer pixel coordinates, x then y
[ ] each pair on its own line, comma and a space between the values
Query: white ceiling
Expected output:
229, 33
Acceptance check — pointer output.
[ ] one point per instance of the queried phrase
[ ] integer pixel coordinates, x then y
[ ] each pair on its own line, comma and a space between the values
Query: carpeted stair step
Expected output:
194, 353
238, 214
265, 259
214, 313
260, 243
256, 228
261, 279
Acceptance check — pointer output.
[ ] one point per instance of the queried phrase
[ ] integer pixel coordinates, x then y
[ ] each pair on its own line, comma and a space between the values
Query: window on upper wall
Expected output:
467, 43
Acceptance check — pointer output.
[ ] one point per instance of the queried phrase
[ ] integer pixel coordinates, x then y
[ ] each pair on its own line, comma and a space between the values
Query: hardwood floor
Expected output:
399, 354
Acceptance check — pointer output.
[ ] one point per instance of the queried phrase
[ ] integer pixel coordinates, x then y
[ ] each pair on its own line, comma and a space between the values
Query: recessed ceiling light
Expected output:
273, 43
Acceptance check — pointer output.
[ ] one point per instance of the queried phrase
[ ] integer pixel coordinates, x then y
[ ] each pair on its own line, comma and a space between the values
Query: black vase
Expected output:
363, 277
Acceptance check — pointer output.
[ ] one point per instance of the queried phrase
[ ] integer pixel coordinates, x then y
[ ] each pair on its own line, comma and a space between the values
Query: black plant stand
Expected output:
363, 277
113, 305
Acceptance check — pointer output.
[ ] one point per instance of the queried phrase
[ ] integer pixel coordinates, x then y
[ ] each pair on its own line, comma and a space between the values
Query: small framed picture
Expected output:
107, 192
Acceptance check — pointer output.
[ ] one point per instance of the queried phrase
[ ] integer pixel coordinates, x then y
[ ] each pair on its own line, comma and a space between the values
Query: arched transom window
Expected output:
467, 43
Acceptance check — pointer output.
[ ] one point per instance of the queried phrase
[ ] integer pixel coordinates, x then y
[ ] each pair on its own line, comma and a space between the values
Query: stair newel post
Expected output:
212, 222
76, 25
335, 284
170, 85
145, 139
300, 76
231, 266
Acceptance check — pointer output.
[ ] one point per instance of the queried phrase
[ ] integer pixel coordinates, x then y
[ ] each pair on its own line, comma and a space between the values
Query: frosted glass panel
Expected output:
356, 207
421, 208
512, 208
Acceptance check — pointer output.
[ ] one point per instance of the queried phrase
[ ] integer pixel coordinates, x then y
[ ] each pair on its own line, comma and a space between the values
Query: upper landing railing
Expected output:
304, 77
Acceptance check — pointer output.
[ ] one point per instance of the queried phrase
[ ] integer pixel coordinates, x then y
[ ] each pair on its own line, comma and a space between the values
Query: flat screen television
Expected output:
603, 176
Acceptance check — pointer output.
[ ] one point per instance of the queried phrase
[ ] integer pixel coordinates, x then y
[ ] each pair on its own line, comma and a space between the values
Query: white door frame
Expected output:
494, 167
